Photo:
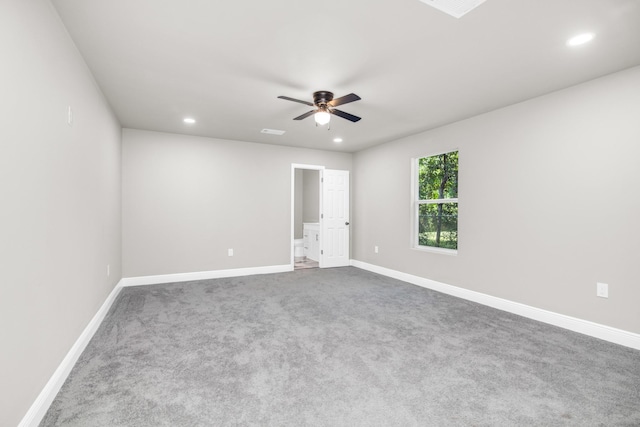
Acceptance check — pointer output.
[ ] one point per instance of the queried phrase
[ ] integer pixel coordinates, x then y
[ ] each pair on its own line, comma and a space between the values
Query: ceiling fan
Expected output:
325, 106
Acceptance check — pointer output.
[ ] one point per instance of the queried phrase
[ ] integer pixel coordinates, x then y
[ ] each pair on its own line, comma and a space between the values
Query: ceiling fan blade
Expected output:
296, 100
345, 115
305, 115
344, 100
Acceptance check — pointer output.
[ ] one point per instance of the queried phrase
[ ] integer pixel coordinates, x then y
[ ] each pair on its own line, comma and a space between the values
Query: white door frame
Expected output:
295, 166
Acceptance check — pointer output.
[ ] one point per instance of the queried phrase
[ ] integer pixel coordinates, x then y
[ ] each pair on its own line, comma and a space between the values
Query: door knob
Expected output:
346, 223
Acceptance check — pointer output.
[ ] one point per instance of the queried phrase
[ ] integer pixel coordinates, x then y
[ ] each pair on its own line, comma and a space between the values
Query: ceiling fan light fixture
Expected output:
322, 117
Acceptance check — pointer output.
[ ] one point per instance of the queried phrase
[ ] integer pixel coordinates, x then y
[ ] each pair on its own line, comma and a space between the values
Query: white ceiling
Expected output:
224, 63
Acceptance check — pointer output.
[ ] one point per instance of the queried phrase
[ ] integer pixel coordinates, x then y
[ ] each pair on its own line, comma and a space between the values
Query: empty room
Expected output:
286, 213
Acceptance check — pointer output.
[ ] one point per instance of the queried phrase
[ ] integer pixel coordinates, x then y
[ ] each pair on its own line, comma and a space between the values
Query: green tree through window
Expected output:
436, 206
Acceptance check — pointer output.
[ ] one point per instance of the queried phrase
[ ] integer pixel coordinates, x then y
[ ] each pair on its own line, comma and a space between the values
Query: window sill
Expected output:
443, 251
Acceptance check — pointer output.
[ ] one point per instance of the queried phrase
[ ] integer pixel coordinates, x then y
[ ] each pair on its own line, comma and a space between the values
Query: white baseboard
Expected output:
603, 332
39, 408
204, 275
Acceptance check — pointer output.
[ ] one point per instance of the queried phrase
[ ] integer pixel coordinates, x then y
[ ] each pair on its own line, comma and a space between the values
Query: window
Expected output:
436, 201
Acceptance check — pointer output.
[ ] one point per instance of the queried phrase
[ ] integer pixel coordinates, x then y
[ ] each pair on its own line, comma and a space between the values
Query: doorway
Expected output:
306, 217
320, 232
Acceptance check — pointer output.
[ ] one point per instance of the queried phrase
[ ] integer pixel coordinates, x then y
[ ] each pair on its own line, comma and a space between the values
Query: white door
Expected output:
334, 218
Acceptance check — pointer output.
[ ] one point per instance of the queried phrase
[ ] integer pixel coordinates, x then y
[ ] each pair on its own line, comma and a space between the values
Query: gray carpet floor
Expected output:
337, 347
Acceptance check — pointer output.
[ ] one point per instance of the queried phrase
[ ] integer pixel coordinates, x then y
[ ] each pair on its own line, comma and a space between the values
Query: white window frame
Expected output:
416, 202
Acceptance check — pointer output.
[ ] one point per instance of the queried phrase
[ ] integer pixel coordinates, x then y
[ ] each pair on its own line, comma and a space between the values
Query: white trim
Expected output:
437, 153
596, 330
303, 166
416, 202
436, 201
204, 275
436, 250
413, 209
39, 408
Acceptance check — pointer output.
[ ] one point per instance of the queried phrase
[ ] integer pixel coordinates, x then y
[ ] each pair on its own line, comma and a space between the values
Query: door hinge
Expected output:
321, 252
321, 179
321, 216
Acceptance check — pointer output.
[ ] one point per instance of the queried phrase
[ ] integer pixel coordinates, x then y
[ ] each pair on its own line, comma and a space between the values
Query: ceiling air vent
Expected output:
455, 8
273, 131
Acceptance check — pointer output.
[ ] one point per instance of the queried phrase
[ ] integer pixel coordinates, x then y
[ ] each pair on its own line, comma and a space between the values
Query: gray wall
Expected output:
60, 200
307, 199
299, 203
561, 170
311, 196
187, 199
549, 203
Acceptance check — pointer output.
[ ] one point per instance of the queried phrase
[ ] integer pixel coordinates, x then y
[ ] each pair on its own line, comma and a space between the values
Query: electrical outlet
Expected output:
230, 252
375, 249
602, 290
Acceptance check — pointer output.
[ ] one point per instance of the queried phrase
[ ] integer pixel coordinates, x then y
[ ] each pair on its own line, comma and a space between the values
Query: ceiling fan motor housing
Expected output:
322, 97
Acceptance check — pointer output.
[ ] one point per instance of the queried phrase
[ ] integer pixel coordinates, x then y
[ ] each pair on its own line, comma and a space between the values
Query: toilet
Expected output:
298, 250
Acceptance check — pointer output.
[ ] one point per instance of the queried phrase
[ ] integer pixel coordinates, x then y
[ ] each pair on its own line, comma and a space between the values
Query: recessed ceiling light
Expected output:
189, 120
338, 140
580, 39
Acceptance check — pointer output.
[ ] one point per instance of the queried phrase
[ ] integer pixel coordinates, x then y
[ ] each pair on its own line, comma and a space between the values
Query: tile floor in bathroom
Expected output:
305, 263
